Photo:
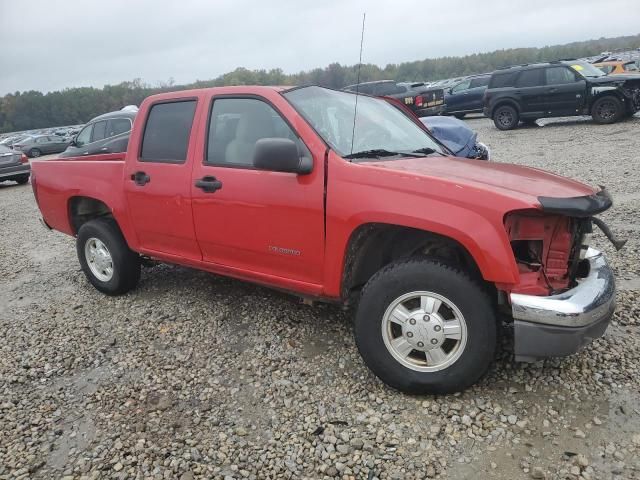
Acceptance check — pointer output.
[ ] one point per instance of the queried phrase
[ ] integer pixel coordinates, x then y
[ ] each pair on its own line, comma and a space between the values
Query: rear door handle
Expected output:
209, 184
140, 178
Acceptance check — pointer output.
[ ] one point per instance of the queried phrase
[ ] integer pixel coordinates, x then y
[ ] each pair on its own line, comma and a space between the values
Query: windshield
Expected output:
586, 69
380, 129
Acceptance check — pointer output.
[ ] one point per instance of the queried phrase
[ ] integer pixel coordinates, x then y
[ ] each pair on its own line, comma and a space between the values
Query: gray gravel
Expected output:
197, 376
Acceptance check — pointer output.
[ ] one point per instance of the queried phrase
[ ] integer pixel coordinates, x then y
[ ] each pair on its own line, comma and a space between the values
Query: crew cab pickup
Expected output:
299, 190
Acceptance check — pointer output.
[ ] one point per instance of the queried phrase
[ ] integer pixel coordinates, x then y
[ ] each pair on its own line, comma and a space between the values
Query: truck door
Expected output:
158, 180
259, 223
458, 99
529, 88
565, 90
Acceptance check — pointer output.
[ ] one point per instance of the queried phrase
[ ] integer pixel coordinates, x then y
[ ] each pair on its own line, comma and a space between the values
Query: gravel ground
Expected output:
197, 376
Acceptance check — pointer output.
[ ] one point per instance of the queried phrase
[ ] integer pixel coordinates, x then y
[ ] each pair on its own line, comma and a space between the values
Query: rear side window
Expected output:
116, 126
530, 78
99, 130
500, 80
559, 76
166, 134
479, 82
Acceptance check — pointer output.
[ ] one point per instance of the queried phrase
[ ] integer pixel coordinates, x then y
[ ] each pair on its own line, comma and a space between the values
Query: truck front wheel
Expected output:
505, 117
607, 109
425, 328
105, 257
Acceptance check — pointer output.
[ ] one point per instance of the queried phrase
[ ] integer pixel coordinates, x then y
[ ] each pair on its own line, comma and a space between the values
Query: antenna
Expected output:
355, 109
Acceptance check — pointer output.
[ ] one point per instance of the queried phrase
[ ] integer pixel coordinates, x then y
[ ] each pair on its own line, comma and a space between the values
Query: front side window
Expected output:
378, 125
530, 78
166, 134
84, 136
559, 76
116, 126
99, 131
461, 86
236, 124
479, 82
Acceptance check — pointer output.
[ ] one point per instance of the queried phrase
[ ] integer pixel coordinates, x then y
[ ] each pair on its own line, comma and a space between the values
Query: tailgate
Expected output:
432, 97
10, 158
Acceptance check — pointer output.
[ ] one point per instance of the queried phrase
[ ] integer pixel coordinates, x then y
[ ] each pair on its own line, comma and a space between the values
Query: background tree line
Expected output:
33, 109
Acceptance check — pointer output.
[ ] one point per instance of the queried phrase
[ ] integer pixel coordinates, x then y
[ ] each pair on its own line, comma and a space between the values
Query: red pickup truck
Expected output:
281, 187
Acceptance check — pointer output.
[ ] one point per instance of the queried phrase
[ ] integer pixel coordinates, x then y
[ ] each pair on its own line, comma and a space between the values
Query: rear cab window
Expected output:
167, 132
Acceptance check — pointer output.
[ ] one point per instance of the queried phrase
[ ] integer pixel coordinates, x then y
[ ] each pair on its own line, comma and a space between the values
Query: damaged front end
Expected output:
566, 293
631, 92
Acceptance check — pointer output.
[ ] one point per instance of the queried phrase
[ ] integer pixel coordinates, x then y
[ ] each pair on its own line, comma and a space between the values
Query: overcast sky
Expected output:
53, 44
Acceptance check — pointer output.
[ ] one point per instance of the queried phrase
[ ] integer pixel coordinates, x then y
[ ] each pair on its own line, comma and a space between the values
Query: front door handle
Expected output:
209, 184
140, 178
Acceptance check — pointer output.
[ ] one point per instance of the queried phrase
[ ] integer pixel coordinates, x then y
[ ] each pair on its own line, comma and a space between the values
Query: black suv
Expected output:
559, 89
423, 100
108, 133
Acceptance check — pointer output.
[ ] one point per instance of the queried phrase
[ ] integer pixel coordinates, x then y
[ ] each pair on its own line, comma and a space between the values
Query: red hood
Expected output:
515, 181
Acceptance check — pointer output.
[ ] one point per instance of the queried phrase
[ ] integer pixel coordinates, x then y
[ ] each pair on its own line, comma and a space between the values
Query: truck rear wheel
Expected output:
505, 117
106, 259
607, 109
425, 328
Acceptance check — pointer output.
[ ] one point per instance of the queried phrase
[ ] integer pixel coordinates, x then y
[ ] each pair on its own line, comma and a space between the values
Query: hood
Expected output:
520, 183
454, 133
614, 79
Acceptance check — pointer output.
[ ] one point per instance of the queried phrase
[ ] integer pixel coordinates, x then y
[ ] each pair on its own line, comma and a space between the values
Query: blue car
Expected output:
466, 96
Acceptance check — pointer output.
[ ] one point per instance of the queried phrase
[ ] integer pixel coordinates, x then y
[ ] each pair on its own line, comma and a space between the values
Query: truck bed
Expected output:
56, 182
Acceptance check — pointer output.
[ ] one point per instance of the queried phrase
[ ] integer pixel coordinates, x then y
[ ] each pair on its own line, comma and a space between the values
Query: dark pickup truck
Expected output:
422, 100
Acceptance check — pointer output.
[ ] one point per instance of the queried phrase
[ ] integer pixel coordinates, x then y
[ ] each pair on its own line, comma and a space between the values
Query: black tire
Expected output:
22, 179
426, 275
505, 117
125, 262
34, 153
607, 109
459, 116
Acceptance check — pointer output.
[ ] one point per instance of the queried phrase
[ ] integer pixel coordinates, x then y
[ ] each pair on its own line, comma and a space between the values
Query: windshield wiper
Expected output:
425, 150
376, 152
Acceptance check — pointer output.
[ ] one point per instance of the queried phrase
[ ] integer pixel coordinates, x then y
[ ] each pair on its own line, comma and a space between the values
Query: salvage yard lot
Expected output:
198, 376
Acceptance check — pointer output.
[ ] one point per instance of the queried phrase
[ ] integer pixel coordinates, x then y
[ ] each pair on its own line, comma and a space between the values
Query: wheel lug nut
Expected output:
434, 340
412, 321
426, 318
437, 328
420, 344
409, 334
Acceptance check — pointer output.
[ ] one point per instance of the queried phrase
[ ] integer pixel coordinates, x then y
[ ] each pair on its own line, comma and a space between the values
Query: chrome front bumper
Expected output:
559, 325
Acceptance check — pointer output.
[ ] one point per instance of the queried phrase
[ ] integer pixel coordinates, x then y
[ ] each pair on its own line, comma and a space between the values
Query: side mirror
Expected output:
280, 155
73, 143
